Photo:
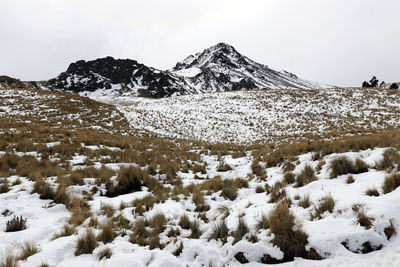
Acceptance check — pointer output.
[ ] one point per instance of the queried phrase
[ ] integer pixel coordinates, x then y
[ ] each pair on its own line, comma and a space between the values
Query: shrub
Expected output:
107, 234
16, 224
240, 231
291, 241
391, 183
28, 250
229, 192
86, 243
325, 204
306, 176
219, 231
105, 253
394, 86
372, 192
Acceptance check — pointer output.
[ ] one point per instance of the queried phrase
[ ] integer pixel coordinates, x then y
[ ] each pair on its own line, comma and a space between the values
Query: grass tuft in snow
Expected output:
219, 231
325, 204
107, 234
391, 183
306, 176
241, 230
86, 243
28, 250
9, 261
105, 253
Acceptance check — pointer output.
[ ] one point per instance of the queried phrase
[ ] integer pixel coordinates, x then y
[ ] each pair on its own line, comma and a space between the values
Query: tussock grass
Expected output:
28, 250
287, 236
305, 202
364, 220
306, 176
350, 179
185, 222
342, 165
86, 243
107, 210
372, 192
326, 203
241, 230
107, 234
390, 157
391, 183
219, 231
9, 261
195, 230
104, 253
67, 230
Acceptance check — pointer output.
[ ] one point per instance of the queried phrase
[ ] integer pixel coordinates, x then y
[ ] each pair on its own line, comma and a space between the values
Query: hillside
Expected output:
272, 116
79, 188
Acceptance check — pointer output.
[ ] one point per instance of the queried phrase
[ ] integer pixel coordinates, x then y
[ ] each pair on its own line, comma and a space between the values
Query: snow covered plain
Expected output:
269, 116
326, 234
355, 230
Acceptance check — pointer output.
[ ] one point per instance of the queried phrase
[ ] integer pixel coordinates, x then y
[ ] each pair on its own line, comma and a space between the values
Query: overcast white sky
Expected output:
339, 42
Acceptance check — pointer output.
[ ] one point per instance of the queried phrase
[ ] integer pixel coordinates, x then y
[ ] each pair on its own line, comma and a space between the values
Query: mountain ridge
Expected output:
216, 69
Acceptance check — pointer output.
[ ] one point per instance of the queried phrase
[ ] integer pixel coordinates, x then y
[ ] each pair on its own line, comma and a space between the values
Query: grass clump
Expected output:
342, 165
305, 202
105, 253
372, 192
196, 231
107, 234
86, 243
391, 183
219, 231
28, 250
390, 157
9, 261
350, 179
66, 231
229, 192
289, 238
129, 180
326, 203
16, 224
107, 210
185, 222
241, 230
306, 176
364, 220
4, 187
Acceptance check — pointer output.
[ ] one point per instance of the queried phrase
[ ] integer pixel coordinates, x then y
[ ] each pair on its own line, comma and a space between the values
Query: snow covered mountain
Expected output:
116, 77
218, 68
222, 68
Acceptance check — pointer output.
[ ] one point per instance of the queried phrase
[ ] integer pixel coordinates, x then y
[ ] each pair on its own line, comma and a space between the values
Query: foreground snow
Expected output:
325, 235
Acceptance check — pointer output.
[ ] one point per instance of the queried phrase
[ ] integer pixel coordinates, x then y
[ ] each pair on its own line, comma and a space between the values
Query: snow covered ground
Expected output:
326, 235
272, 116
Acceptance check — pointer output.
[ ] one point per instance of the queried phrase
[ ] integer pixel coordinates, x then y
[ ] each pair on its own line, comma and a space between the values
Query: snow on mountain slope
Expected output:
222, 68
276, 115
218, 68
